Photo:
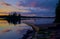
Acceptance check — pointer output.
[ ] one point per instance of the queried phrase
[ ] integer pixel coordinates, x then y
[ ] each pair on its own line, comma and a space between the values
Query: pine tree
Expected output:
57, 20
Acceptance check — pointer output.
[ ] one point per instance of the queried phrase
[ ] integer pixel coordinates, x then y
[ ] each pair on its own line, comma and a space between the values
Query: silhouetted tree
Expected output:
9, 18
19, 18
57, 20
14, 18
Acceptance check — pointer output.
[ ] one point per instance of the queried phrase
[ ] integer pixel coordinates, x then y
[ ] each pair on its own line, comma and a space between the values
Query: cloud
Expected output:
34, 8
10, 8
5, 4
38, 3
33, 4
26, 3
42, 6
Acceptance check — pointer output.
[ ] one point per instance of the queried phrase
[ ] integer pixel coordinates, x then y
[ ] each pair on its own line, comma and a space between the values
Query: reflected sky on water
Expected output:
5, 24
11, 31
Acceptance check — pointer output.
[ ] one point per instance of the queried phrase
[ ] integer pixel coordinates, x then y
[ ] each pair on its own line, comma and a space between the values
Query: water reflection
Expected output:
30, 20
6, 24
14, 18
11, 30
17, 18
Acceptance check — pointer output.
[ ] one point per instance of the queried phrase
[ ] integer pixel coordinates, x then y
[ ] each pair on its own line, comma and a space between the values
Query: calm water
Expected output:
40, 20
11, 31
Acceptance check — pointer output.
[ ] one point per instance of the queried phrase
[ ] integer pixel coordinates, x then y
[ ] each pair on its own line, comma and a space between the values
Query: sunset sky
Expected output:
40, 8
44, 7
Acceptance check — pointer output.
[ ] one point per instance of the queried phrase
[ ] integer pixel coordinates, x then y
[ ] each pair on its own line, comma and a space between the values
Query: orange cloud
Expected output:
5, 7
12, 9
3, 13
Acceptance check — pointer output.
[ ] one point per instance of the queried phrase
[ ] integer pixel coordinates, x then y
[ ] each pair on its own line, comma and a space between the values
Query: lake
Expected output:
11, 31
